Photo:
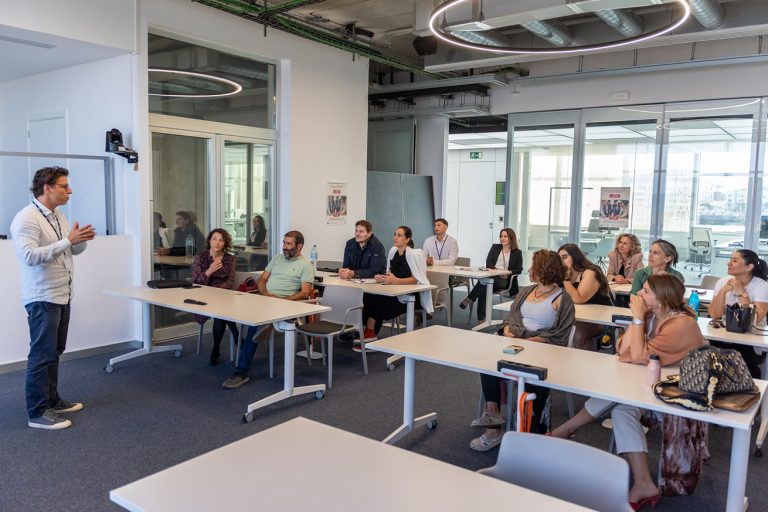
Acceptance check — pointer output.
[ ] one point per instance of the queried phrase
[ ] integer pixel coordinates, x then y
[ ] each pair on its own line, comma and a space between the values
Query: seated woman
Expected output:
541, 312
160, 238
662, 325
746, 285
661, 257
258, 233
216, 267
405, 265
625, 259
502, 256
586, 284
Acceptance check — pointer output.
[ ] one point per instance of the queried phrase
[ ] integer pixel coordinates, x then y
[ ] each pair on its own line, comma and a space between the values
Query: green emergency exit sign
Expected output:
475, 155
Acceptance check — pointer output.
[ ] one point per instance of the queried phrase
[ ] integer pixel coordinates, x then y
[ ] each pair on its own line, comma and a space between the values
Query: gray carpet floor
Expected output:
157, 411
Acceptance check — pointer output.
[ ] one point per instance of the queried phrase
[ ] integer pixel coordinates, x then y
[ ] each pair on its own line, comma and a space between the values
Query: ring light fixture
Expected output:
448, 38
680, 111
236, 87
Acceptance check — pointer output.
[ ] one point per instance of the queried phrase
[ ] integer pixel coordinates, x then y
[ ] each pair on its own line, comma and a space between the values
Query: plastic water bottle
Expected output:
694, 301
313, 257
189, 247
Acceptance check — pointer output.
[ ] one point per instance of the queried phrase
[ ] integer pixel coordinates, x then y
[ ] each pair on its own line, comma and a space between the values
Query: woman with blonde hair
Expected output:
625, 259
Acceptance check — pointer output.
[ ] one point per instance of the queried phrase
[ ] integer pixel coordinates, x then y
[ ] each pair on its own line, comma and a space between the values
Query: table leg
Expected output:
409, 395
288, 390
763, 415
410, 303
737, 477
147, 347
488, 282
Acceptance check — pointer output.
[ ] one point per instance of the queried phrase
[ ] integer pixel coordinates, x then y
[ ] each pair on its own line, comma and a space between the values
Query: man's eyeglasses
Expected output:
717, 323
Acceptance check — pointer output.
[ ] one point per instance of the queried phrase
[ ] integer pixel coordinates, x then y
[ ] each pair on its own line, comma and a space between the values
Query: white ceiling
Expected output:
25, 53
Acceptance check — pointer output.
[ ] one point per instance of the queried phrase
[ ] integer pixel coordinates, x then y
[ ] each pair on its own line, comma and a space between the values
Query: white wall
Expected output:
96, 320
731, 81
431, 154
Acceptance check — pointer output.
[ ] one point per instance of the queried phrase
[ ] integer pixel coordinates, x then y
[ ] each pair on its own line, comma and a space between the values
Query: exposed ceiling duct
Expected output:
551, 31
707, 12
485, 37
625, 22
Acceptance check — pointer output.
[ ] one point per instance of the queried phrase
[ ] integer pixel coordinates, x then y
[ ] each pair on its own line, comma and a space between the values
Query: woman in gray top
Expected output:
541, 312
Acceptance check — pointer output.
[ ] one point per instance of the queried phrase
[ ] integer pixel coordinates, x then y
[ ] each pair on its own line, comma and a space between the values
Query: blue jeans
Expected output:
48, 325
247, 350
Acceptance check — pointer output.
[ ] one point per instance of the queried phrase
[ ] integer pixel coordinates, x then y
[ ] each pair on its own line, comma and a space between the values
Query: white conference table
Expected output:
582, 372
705, 296
404, 292
242, 308
485, 277
303, 465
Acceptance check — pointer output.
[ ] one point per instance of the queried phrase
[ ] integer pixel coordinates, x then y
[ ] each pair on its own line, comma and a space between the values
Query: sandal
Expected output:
463, 304
483, 443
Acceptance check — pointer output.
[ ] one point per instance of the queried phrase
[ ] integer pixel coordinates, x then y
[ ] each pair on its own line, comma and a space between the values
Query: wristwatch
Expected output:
638, 321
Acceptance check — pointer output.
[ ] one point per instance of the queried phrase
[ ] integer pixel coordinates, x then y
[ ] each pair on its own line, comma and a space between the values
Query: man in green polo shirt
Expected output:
288, 276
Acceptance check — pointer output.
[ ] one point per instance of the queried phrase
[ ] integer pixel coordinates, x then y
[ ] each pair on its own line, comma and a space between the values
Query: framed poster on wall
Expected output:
336, 206
614, 207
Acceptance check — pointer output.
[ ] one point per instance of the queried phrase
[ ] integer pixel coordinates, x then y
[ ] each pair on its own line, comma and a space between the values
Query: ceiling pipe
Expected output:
625, 22
551, 31
485, 37
707, 12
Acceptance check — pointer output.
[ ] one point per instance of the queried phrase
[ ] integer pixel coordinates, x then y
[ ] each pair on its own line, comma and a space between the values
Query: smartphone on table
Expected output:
513, 349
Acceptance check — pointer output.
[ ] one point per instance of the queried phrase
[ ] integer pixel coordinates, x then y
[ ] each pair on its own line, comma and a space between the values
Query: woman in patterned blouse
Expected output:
216, 267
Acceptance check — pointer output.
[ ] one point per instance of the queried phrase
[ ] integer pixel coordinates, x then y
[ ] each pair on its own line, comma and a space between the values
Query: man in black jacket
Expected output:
364, 255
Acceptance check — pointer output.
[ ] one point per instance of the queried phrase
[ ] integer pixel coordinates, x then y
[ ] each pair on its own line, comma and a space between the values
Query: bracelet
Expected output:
638, 321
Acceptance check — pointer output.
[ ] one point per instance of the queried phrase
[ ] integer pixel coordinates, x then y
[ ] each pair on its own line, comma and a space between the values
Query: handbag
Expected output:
704, 373
248, 286
737, 318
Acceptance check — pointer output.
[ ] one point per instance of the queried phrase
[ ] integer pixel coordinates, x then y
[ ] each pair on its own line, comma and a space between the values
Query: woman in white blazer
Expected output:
405, 265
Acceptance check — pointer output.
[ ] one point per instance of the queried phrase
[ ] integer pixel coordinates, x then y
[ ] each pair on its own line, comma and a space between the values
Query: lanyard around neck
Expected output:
440, 249
58, 232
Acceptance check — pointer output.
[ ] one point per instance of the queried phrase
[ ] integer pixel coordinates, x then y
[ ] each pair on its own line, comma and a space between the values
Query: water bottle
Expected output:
694, 301
313, 257
189, 247
654, 370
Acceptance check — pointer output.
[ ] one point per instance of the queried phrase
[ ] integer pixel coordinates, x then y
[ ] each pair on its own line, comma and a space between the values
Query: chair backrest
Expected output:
594, 225
709, 281
571, 471
339, 299
701, 238
441, 281
329, 264
462, 261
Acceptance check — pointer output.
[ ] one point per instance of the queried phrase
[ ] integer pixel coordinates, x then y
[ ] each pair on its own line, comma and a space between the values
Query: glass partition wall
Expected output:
694, 171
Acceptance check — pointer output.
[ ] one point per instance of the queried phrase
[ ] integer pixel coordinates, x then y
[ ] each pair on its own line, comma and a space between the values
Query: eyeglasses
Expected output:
717, 323
65, 187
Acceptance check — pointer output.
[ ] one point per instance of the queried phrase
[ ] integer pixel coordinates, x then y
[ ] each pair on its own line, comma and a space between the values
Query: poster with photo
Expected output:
614, 207
336, 206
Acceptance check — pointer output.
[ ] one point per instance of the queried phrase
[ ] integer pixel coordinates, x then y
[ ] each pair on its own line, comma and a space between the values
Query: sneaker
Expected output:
49, 421
357, 347
63, 406
349, 336
370, 335
487, 421
235, 381
485, 443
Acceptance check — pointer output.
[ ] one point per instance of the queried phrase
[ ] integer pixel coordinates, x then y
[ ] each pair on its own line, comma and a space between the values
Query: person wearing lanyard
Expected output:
442, 248
45, 245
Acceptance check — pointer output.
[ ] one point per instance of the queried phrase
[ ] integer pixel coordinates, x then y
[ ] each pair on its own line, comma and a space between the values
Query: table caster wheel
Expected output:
432, 425
391, 367
758, 451
319, 394
248, 417
109, 368
177, 353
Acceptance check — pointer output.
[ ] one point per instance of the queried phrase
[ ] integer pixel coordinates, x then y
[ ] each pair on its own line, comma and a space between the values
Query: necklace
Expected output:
538, 296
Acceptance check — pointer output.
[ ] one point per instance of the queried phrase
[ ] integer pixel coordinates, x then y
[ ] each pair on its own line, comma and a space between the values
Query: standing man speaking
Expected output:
45, 244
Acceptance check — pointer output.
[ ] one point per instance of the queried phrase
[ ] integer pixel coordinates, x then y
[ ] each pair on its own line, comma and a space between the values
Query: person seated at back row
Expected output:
185, 227
288, 276
586, 284
502, 256
441, 248
662, 256
405, 265
364, 255
625, 259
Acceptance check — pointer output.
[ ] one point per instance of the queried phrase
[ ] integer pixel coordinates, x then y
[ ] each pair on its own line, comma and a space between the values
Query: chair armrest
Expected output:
346, 316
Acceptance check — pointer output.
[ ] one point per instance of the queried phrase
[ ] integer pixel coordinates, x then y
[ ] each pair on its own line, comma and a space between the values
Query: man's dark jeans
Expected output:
48, 325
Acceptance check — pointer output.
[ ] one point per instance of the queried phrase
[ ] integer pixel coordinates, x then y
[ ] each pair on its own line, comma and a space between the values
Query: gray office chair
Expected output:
567, 470
700, 250
600, 254
709, 281
458, 282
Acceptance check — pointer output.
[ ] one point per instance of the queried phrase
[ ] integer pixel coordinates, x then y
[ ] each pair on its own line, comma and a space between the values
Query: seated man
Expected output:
364, 255
288, 276
442, 248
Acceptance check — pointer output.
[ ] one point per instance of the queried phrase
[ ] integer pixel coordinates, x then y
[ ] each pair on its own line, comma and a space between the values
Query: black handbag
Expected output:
738, 318
705, 373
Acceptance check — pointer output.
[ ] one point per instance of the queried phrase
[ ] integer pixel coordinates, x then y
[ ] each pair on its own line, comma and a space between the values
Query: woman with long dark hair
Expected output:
586, 284
215, 266
503, 256
746, 285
